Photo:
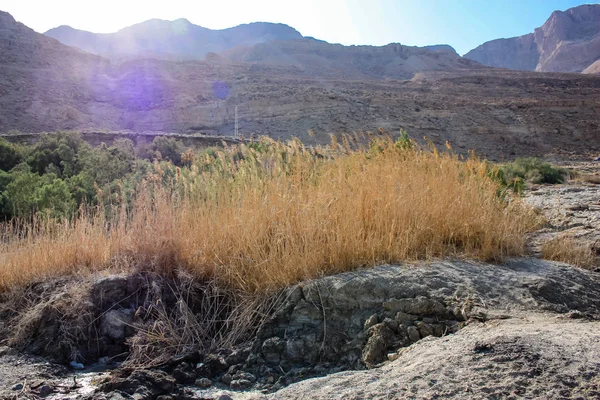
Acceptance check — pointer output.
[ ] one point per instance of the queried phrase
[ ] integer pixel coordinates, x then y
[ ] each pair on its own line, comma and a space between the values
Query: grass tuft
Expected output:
568, 250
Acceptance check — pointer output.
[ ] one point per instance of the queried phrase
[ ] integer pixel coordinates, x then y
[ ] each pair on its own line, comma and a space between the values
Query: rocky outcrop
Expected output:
593, 69
568, 41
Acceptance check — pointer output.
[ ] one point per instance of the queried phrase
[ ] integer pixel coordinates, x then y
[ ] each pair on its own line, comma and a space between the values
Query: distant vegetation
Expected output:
533, 170
62, 172
256, 216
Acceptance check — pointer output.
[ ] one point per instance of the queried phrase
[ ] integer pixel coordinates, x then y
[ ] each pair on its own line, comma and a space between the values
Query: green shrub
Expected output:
531, 170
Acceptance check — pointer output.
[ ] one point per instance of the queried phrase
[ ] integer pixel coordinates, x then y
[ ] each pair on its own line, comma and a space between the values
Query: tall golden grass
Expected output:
569, 250
267, 214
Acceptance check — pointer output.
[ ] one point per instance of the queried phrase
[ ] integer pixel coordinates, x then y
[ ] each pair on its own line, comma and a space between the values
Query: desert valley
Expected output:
250, 213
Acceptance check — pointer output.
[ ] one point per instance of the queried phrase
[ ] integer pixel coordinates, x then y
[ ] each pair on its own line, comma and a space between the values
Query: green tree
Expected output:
169, 149
10, 155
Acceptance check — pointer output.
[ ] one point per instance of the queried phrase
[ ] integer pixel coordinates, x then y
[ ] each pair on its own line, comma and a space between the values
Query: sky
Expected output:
464, 24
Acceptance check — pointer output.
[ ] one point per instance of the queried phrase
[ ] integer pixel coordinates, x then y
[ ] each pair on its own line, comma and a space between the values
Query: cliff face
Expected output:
568, 41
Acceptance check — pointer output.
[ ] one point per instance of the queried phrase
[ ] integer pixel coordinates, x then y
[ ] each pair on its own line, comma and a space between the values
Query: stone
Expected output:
215, 364
4, 350
380, 337
272, 349
223, 397
438, 330
245, 375
183, 374
424, 329
18, 386
404, 318
114, 323
420, 305
203, 383
240, 384
45, 390
413, 334
108, 291
76, 365
391, 324
372, 320
226, 379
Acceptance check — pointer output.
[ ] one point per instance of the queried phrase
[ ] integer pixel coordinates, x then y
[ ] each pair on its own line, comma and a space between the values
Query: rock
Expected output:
109, 291
226, 379
215, 364
391, 324
4, 350
420, 306
372, 320
76, 365
157, 382
438, 330
404, 318
183, 374
380, 337
245, 375
240, 384
45, 390
238, 356
424, 329
272, 349
223, 397
115, 323
18, 386
203, 383
413, 334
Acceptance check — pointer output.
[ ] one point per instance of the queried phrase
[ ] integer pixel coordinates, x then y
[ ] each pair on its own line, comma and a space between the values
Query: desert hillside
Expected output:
429, 93
568, 41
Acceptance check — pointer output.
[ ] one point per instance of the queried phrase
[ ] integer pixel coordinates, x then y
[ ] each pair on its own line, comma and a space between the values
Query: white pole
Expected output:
236, 122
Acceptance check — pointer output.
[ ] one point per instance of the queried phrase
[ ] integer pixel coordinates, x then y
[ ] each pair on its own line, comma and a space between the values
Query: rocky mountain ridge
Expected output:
568, 41
174, 40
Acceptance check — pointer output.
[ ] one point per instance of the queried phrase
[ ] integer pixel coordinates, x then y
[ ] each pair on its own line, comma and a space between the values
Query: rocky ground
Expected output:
572, 209
527, 328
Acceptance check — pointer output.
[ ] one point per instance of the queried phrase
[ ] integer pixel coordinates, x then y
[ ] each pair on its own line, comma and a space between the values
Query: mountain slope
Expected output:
321, 58
179, 39
568, 41
286, 88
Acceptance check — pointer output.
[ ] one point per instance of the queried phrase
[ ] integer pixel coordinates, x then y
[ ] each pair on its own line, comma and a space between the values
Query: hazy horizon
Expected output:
461, 24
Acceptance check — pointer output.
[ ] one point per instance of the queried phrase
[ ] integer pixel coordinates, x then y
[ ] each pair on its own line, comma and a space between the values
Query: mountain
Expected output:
568, 41
321, 58
285, 88
42, 82
175, 40
441, 47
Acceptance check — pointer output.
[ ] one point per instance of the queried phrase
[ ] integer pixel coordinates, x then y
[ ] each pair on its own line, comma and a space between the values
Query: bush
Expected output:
10, 155
533, 170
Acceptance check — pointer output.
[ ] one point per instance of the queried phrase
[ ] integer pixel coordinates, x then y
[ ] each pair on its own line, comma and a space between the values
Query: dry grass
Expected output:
264, 215
568, 250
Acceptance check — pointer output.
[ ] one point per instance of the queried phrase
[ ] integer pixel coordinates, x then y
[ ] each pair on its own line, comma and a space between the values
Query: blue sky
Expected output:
464, 24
